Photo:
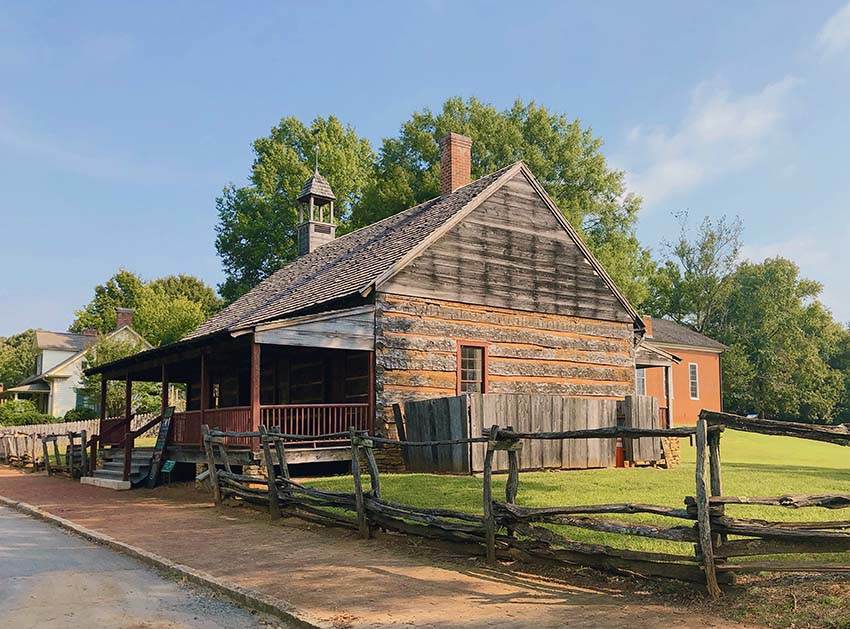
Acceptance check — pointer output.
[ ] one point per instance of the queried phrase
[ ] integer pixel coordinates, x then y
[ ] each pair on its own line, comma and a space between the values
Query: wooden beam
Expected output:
255, 385
164, 392
104, 385
128, 400
371, 393
668, 394
205, 387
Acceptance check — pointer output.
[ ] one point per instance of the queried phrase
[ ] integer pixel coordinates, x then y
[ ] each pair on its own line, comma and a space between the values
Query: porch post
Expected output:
104, 384
205, 385
372, 392
164, 393
255, 385
128, 400
668, 394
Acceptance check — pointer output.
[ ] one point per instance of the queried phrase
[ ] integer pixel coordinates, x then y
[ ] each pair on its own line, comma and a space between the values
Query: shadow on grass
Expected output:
771, 469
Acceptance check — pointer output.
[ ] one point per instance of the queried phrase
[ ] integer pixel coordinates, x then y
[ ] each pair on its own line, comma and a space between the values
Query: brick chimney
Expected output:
647, 322
90, 332
455, 162
123, 316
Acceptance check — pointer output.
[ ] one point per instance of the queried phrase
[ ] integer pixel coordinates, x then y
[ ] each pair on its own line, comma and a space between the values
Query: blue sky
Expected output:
121, 122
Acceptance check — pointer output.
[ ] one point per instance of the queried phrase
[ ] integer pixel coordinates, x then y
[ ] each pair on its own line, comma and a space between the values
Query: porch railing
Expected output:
304, 419
186, 429
315, 419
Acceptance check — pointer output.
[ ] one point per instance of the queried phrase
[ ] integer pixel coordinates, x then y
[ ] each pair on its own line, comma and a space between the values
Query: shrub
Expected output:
80, 414
21, 413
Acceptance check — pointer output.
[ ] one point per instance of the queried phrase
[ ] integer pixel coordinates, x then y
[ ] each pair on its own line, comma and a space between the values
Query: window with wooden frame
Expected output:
471, 367
693, 380
640, 381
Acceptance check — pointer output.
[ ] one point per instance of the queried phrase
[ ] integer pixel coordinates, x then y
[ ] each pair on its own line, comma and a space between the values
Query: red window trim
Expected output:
485, 359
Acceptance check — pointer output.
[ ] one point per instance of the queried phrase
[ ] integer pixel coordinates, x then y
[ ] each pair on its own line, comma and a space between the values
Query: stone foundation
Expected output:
389, 458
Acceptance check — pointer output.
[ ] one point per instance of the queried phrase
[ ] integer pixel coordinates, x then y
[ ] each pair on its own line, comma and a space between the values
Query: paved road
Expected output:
51, 578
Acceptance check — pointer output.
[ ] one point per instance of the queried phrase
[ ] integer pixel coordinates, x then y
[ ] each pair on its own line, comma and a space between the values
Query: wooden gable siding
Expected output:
417, 341
511, 252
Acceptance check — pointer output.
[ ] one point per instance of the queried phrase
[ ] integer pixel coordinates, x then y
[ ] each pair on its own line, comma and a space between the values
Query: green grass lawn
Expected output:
753, 465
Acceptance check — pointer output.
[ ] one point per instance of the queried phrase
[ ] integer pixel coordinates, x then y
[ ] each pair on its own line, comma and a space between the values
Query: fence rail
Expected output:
506, 527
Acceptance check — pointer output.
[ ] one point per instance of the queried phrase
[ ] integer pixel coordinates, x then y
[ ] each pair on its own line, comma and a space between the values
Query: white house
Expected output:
55, 387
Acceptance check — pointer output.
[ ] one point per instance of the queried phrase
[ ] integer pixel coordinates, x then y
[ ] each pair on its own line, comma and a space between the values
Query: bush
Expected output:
21, 413
80, 414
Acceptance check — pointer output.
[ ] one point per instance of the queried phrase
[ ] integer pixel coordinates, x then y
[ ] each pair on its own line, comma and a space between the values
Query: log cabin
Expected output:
484, 288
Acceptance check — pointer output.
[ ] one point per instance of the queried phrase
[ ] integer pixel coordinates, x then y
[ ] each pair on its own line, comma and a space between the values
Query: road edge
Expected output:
245, 597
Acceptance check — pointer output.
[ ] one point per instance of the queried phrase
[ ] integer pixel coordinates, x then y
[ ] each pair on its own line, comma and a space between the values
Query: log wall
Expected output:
417, 341
511, 252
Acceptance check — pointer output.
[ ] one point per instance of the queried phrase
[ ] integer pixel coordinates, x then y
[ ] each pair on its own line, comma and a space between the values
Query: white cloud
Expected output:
17, 135
721, 133
805, 250
834, 37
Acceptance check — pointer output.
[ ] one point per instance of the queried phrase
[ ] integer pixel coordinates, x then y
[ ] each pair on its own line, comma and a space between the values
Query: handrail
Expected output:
148, 426
130, 438
110, 429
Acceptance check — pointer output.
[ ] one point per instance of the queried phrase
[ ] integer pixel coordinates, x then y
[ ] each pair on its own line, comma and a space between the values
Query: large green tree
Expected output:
122, 290
17, 357
786, 355
693, 283
782, 342
255, 234
256, 223
165, 308
146, 395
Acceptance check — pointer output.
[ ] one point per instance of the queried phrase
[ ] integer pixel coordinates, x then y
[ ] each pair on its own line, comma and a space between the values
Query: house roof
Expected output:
344, 266
350, 266
65, 341
672, 333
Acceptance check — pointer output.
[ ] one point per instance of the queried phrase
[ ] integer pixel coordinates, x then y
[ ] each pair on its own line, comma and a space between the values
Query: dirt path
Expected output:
333, 575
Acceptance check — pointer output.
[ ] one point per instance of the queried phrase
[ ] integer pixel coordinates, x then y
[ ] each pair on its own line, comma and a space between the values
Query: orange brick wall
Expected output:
686, 410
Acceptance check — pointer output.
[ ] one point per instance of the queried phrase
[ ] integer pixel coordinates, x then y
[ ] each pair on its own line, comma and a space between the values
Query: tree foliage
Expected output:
146, 395
693, 283
786, 355
22, 413
785, 340
256, 234
17, 357
166, 308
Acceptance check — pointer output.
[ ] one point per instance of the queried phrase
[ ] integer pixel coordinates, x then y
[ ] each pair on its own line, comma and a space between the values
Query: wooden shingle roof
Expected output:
316, 186
672, 333
343, 267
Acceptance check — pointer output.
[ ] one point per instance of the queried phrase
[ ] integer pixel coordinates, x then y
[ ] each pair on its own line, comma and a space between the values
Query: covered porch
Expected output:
651, 357
279, 377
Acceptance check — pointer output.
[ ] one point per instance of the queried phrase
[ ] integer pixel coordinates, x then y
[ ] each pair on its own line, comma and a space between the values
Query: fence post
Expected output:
715, 475
56, 452
46, 457
84, 462
374, 474
274, 506
489, 519
362, 523
284, 466
93, 455
208, 447
703, 510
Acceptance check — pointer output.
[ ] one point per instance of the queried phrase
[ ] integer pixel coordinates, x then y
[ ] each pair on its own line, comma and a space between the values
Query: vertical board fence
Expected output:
468, 416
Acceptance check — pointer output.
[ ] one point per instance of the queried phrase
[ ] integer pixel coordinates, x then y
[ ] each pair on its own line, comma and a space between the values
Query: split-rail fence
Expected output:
506, 528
